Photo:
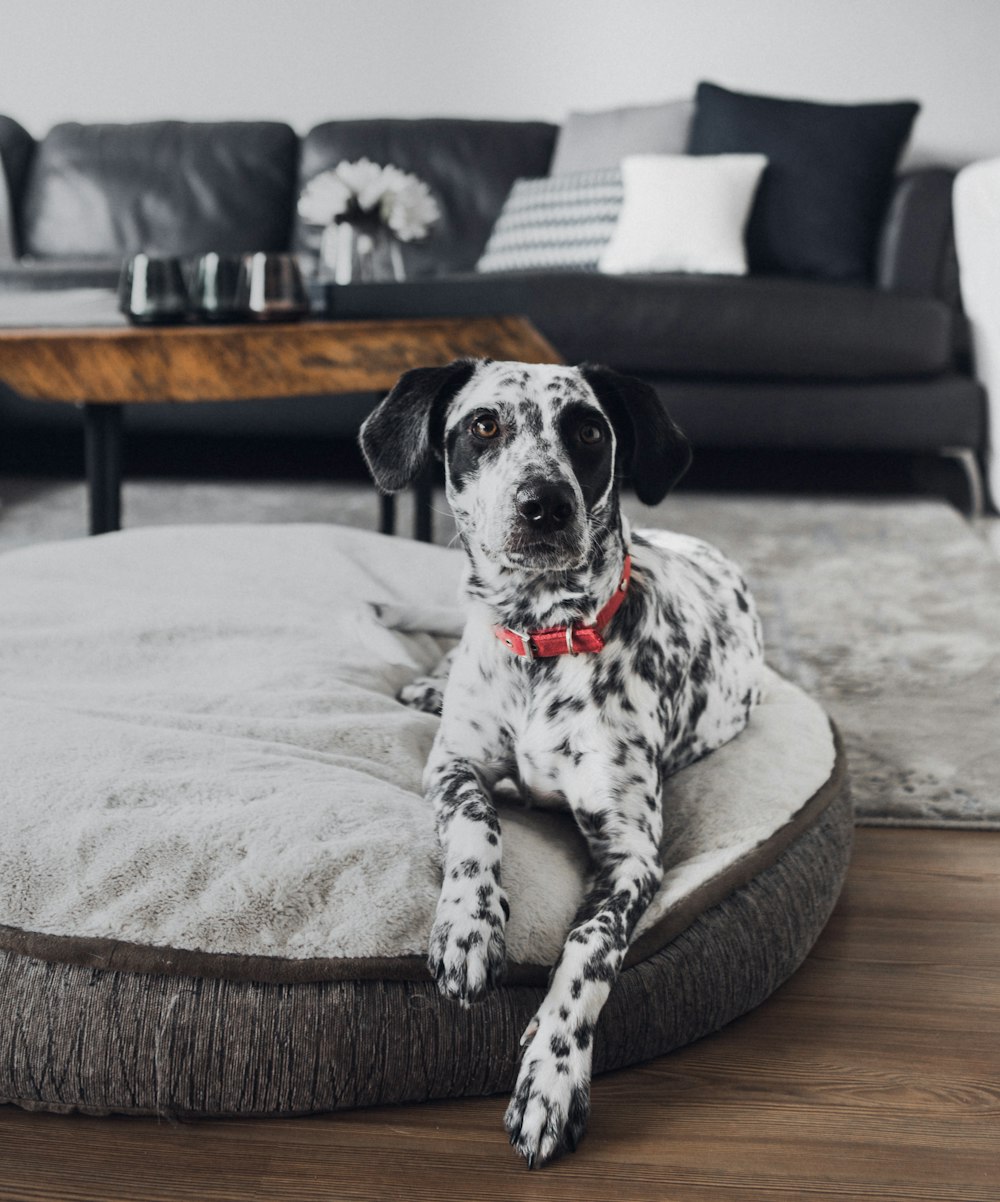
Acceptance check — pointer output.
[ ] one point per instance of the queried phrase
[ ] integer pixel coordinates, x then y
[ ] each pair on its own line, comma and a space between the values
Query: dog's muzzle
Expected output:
544, 506
545, 529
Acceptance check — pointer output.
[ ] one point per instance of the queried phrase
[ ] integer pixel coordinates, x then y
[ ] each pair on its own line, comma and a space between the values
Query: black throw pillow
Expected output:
830, 173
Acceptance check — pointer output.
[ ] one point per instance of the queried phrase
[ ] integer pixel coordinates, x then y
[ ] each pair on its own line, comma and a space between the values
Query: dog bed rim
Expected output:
123, 956
413, 1045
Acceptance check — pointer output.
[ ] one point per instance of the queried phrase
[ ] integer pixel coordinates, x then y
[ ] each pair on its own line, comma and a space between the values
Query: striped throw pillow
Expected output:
562, 222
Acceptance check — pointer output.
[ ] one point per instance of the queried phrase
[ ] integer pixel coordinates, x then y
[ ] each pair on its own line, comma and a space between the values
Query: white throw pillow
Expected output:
684, 213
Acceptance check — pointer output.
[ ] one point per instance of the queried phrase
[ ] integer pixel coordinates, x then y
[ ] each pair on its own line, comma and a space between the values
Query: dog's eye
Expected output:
590, 434
485, 427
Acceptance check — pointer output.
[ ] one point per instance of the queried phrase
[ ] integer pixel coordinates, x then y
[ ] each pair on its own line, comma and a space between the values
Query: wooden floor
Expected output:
873, 1074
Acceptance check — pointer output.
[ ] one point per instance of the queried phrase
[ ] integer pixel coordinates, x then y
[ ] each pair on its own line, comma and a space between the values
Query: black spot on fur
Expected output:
592, 463
530, 418
701, 664
559, 1047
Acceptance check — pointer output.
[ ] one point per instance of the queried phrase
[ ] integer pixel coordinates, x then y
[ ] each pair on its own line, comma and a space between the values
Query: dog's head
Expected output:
531, 453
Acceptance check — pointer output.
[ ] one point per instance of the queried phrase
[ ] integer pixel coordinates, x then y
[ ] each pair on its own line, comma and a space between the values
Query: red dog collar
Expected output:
567, 640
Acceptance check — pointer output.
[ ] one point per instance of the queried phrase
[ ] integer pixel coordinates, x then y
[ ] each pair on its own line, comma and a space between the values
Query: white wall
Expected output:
305, 61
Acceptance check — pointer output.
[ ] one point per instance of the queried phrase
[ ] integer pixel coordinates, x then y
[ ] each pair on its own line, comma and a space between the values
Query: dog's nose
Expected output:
545, 506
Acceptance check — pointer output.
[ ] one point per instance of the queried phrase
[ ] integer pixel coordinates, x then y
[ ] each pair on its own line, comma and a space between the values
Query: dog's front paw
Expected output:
426, 694
550, 1106
467, 954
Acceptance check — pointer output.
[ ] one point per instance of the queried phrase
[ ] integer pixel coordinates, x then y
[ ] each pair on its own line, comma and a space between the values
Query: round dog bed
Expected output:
217, 872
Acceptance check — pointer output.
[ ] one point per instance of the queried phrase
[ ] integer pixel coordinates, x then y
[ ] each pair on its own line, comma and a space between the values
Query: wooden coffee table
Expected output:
104, 369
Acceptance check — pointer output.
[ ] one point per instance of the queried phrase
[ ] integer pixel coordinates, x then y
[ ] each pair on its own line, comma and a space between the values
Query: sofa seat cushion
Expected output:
469, 165
166, 187
905, 416
763, 327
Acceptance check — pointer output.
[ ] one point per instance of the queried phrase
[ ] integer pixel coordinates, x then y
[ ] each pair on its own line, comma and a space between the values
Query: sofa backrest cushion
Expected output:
469, 166
165, 187
829, 176
16, 145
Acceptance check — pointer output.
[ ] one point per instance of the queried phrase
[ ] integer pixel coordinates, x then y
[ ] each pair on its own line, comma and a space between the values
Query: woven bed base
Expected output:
101, 1042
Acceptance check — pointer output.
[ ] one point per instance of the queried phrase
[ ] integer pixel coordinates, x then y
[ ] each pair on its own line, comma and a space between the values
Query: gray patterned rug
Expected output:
887, 612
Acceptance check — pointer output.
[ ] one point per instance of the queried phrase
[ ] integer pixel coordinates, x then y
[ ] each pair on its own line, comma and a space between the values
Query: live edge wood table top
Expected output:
105, 368
140, 364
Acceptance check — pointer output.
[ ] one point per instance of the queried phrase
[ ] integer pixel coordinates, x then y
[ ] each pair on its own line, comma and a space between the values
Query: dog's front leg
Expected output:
551, 1102
467, 952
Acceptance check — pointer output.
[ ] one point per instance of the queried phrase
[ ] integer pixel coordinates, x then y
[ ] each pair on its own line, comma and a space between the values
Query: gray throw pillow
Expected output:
595, 141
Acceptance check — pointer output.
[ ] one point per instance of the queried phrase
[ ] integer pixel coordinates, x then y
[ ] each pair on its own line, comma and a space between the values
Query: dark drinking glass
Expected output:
151, 290
215, 281
271, 288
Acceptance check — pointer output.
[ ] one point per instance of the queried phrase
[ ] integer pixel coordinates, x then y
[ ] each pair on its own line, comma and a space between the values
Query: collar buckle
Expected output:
507, 637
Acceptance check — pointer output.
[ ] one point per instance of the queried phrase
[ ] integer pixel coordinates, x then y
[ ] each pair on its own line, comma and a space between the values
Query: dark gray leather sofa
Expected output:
748, 362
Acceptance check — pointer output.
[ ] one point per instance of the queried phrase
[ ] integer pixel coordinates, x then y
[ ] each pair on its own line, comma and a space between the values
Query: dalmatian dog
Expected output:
594, 662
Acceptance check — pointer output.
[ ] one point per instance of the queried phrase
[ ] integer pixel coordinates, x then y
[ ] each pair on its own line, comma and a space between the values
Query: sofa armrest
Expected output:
916, 250
16, 145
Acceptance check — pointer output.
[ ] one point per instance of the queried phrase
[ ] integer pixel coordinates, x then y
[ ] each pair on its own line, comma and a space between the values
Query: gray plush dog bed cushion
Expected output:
206, 780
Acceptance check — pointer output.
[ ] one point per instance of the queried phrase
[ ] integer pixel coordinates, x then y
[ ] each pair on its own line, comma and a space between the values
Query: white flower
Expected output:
403, 202
407, 206
324, 198
364, 180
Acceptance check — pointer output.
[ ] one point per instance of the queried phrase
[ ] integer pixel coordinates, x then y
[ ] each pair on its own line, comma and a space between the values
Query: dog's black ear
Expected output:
652, 450
400, 435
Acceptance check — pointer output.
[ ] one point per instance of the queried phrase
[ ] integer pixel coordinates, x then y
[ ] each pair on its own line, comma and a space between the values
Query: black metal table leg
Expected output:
423, 495
102, 426
387, 514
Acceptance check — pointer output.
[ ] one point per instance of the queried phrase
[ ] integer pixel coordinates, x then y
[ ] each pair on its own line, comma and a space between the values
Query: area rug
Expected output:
888, 612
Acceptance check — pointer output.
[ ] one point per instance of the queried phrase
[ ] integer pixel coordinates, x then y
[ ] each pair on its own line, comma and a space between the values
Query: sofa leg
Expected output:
969, 463
423, 498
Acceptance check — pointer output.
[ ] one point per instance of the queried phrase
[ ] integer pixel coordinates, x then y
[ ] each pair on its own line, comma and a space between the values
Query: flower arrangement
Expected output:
368, 196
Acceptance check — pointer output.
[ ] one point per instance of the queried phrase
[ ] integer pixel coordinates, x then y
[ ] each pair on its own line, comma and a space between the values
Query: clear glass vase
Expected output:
352, 254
